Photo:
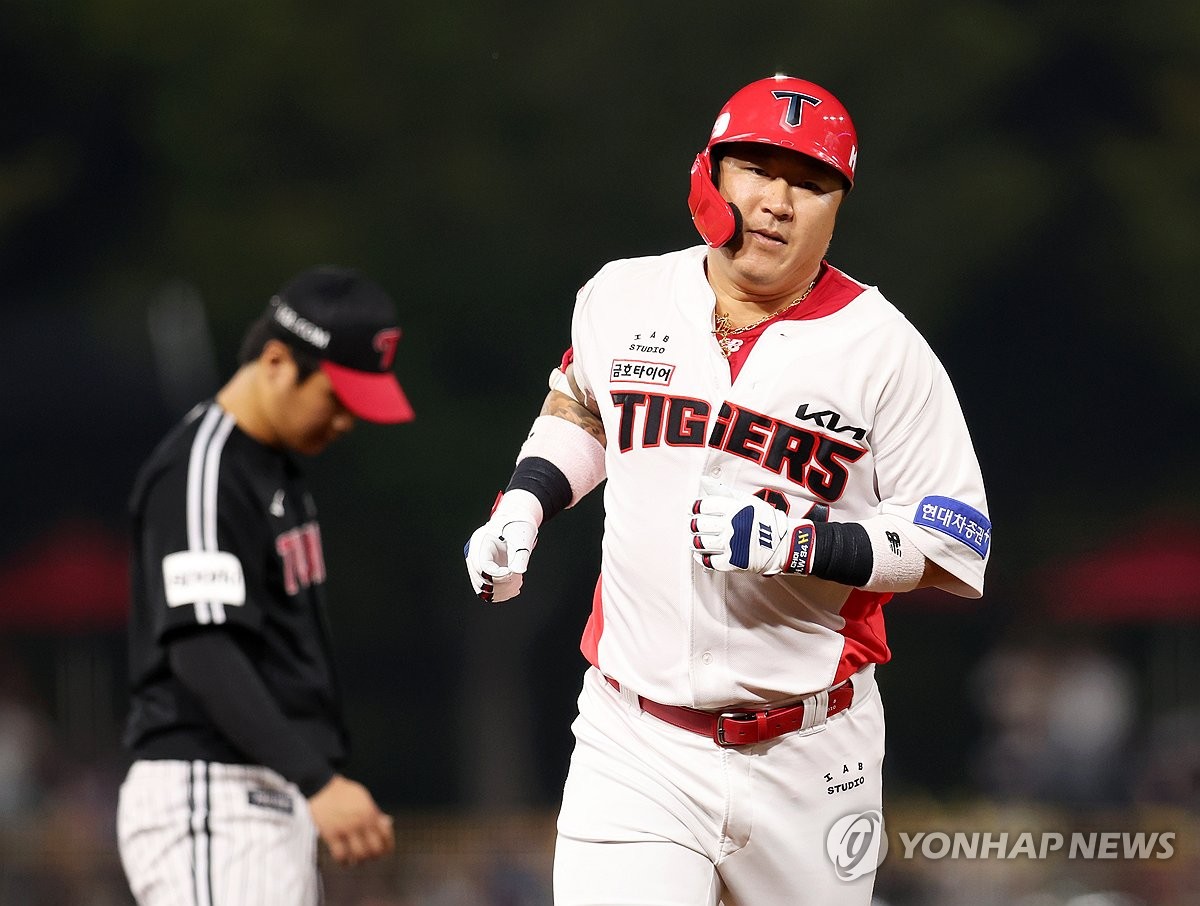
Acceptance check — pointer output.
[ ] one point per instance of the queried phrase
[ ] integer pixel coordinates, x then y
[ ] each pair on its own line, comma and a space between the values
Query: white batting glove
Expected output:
733, 531
498, 553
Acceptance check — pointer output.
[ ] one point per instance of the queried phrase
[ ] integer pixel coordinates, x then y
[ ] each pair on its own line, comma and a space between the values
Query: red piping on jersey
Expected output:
866, 639
590, 643
833, 292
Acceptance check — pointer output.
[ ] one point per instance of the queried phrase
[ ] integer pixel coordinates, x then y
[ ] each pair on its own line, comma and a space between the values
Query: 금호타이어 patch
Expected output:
958, 520
639, 372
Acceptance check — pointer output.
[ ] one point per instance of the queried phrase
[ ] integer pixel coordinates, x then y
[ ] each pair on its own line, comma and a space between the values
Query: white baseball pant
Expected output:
658, 816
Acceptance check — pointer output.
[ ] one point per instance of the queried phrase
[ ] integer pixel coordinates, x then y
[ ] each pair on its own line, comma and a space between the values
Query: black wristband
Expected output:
842, 553
545, 481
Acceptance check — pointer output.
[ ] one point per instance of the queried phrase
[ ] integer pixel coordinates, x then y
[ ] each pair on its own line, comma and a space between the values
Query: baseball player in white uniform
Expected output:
783, 453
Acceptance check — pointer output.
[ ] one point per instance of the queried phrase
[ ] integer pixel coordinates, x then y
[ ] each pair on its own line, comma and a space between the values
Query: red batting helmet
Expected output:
781, 111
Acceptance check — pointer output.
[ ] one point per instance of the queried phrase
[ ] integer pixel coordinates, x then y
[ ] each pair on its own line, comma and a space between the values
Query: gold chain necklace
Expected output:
722, 331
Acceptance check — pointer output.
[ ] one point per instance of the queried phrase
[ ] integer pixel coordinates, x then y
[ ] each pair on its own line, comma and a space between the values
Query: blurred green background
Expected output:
1028, 194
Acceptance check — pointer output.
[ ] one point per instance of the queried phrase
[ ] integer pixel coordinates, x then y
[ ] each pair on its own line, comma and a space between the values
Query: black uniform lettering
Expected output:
686, 422
628, 404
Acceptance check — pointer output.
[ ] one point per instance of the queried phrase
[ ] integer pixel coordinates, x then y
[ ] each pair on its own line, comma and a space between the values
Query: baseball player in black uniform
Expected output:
235, 723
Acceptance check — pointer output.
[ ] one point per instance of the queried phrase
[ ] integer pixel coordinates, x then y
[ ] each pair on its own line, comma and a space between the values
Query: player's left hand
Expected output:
350, 823
733, 531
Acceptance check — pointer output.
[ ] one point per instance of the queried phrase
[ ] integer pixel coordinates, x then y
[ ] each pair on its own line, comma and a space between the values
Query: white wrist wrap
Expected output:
576, 453
898, 563
518, 505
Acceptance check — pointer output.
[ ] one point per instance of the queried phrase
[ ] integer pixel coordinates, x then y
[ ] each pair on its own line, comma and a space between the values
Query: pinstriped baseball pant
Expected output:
195, 833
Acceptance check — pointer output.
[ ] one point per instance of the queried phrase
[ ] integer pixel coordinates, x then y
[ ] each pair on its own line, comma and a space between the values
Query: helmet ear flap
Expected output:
717, 221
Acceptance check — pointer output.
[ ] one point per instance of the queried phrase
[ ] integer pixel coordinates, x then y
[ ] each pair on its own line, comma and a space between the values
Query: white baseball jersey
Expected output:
841, 403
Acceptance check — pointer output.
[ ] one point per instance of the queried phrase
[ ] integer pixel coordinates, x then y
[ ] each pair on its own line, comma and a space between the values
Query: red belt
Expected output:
741, 728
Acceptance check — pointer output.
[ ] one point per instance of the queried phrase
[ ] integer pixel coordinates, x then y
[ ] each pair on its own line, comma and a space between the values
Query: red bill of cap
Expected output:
372, 395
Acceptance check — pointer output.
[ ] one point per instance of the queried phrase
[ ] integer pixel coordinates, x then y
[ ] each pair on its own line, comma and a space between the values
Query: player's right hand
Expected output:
498, 553
733, 531
350, 823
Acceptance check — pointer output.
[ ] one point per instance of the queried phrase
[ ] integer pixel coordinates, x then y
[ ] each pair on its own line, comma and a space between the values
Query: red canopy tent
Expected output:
70, 587
74, 577
1152, 576
1148, 580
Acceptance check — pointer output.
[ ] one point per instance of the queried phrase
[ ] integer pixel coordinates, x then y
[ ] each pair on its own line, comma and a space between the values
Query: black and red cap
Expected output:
348, 322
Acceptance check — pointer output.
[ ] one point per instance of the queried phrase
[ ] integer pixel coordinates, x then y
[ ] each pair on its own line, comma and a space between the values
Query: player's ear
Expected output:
275, 353
276, 361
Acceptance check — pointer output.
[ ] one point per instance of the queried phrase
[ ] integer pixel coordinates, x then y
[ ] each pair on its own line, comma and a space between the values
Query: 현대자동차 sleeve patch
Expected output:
956, 519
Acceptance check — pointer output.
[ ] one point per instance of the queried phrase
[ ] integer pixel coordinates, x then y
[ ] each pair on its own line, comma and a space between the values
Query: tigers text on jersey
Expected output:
227, 540
842, 403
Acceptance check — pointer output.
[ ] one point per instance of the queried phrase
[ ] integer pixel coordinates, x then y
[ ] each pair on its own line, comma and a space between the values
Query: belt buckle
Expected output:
730, 715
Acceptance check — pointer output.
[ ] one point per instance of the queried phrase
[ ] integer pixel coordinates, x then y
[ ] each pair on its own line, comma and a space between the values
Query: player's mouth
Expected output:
768, 237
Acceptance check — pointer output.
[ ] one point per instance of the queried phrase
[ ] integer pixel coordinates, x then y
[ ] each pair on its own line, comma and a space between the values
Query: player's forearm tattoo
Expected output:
562, 406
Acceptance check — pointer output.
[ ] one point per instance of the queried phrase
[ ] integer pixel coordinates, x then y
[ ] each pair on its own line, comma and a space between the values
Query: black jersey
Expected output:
226, 539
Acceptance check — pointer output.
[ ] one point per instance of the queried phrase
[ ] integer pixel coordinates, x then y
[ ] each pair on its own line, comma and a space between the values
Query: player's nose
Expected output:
777, 199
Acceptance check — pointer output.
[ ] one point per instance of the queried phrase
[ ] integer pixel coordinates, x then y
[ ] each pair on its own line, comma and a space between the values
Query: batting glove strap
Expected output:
800, 551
